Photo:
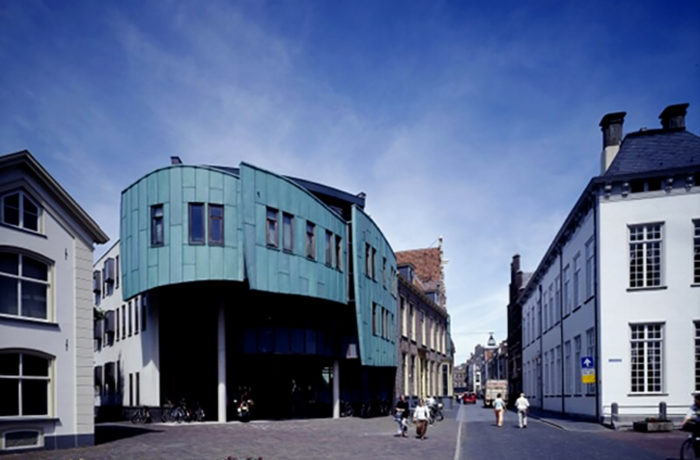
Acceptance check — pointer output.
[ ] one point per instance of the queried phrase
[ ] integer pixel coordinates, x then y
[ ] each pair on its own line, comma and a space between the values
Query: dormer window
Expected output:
20, 211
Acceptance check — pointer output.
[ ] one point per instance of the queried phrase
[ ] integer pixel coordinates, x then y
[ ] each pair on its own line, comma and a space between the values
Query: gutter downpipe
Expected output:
541, 364
596, 305
561, 326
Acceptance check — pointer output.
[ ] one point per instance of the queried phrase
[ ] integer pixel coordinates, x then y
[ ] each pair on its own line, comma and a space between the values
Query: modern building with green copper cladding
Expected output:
279, 285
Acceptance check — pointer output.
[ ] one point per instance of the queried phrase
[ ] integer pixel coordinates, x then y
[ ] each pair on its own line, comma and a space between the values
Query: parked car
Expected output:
468, 398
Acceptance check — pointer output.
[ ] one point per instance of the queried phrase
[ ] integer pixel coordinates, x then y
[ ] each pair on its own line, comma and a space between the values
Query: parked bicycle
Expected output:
142, 415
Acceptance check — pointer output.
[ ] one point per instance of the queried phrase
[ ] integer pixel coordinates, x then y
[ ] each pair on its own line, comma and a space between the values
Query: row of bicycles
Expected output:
174, 413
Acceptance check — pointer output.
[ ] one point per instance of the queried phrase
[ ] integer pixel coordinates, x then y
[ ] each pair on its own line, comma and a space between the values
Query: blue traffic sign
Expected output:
587, 362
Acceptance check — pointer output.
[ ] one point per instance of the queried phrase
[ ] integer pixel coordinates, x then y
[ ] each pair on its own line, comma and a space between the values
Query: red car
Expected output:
469, 398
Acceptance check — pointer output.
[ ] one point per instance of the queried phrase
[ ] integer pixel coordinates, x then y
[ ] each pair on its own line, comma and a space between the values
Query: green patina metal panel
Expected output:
273, 269
379, 290
176, 261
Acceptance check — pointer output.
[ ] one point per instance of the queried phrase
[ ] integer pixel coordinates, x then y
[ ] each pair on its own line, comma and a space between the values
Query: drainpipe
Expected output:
541, 363
595, 306
561, 326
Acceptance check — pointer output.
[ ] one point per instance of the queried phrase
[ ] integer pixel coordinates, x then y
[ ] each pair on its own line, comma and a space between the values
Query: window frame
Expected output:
644, 365
23, 378
339, 252
329, 248
272, 233
214, 223
310, 248
696, 251
191, 208
21, 278
638, 272
157, 225
21, 211
287, 241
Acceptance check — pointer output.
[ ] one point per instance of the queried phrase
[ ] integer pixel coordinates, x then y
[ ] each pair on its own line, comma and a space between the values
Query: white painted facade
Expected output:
131, 345
58, 333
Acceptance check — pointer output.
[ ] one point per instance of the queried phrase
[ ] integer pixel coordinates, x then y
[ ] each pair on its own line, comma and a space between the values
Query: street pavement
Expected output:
467, 433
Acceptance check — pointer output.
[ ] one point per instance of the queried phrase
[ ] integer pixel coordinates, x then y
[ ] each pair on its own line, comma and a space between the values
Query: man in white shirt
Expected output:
420, 415
522, 405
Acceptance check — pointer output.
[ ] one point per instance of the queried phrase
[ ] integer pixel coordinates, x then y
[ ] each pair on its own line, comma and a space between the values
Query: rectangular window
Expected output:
329, 248
567, 290
590, 350
374, 264
645, 255
144, 313
310, 240
696, 252
577, 280
404, 323
567, 367
24, 286
138, 389
547, 387
287, 232
368, 259
20, 211
129, 318
338, 252
557, 374
646, 360
577, 364
24, 384
116, 269
137, 314
384, 271
697, 355
216, 225
118, 334
545, 309
196, 214
272, 228
413, 322
374, 319
157, 230
552, 319
557, 298
590, 268
131, 390
123, 321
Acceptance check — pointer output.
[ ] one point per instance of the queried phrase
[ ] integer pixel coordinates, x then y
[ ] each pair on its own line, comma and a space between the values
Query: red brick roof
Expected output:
427, 264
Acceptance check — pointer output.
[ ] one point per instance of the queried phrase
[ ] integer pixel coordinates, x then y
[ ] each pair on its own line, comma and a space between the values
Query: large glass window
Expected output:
21, 211
196, 213
590, 268
567, 290
24, 286
646, 360
577, 364
272, 228
577, 280
338, 252
24, 384
157, 237
216, 224
310, 240
329, 248
645, 255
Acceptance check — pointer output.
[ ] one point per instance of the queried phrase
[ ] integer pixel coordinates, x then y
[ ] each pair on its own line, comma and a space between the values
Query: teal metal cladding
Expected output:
146, 266
374, 277
273, 268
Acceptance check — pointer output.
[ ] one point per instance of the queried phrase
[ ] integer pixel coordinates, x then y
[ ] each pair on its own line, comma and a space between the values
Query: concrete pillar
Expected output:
336, 389
221, 360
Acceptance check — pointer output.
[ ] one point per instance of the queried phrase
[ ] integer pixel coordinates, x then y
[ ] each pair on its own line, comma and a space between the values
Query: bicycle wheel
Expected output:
688, 450
440, 417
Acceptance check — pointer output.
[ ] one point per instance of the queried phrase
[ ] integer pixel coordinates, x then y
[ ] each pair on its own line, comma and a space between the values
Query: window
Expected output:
137, 313
129, 319
404, 324
123, 321
547, 388
545, 309
552, 318
338, 252
157, 232
567, 367
24, 384
577, 280
645, 255
271, 228
413, 322
557, 298
374, 264
20, 211
144, 313
24, 286
567, 293
697, 356
329, 248
118, 334
384, 271
368, 259
374, 319
116, 269
196, 213
646, 360
310, 240
21, 439
577, 364
287, 232
590, 268
590, 350
696, 255
216, 225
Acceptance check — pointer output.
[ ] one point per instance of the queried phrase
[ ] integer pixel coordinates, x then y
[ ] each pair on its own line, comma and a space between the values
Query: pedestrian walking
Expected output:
522, 405
499, 407
401, 416
420, 415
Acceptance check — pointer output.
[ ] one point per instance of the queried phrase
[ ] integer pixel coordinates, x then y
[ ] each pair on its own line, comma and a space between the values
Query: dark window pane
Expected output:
31, 215
32, 268
9, 403
33, 299
197, 223
9, 263
9, 364
34, 397
216, 224
8, 295
11, 209
157, 225
35, 366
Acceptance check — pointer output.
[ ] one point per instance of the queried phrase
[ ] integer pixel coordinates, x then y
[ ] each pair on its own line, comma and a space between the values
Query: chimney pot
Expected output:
175, 160
673, 116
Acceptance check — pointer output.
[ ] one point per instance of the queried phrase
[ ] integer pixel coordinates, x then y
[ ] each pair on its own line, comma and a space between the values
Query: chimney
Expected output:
673, 116
611, 125
175, 160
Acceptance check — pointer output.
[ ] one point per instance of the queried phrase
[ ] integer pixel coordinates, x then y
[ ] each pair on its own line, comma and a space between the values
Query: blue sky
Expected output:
477, 121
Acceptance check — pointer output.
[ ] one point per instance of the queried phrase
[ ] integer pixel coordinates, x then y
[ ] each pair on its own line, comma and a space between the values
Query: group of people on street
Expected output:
521, 404
421, 416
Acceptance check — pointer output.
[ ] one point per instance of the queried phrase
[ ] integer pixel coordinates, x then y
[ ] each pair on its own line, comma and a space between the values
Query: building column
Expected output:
221, 360
336, 389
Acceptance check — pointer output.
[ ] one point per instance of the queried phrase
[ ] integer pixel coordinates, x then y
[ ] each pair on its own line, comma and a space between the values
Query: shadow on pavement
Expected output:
109, 433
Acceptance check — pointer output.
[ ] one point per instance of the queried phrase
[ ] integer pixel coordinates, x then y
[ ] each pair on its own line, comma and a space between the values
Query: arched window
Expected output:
24, 285
24, 384
20, 211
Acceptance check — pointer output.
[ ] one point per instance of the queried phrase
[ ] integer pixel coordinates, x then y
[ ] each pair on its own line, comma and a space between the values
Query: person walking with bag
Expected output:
401, 415
420, 415
499, 407
522, 405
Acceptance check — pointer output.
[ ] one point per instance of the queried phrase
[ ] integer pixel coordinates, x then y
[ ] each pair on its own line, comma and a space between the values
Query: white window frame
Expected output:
646, 355
21, 224
590, 267
639, 276
49, 379
50, 313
